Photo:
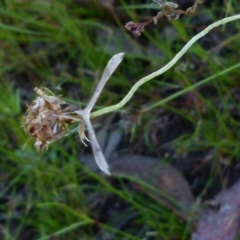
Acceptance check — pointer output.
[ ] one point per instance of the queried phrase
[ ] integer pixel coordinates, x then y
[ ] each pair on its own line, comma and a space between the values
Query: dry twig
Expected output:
169, 10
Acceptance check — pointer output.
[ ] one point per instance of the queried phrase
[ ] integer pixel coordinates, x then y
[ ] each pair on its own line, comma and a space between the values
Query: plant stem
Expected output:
196, 85
163, 69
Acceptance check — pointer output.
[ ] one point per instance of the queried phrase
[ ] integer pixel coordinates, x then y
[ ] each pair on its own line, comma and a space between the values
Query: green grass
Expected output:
54, 43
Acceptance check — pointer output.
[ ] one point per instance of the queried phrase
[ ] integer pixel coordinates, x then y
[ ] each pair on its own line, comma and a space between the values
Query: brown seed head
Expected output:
44, 120
135, 28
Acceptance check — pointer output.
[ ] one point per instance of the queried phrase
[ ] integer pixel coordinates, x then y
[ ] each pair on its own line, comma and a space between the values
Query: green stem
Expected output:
163, 69
196, 85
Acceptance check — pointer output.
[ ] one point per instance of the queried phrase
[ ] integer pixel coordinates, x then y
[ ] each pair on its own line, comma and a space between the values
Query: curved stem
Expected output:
163, 69
188, 89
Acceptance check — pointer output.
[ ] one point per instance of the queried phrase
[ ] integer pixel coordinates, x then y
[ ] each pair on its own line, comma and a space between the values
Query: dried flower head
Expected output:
164, 3
168, 9
45, 120
136, 29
